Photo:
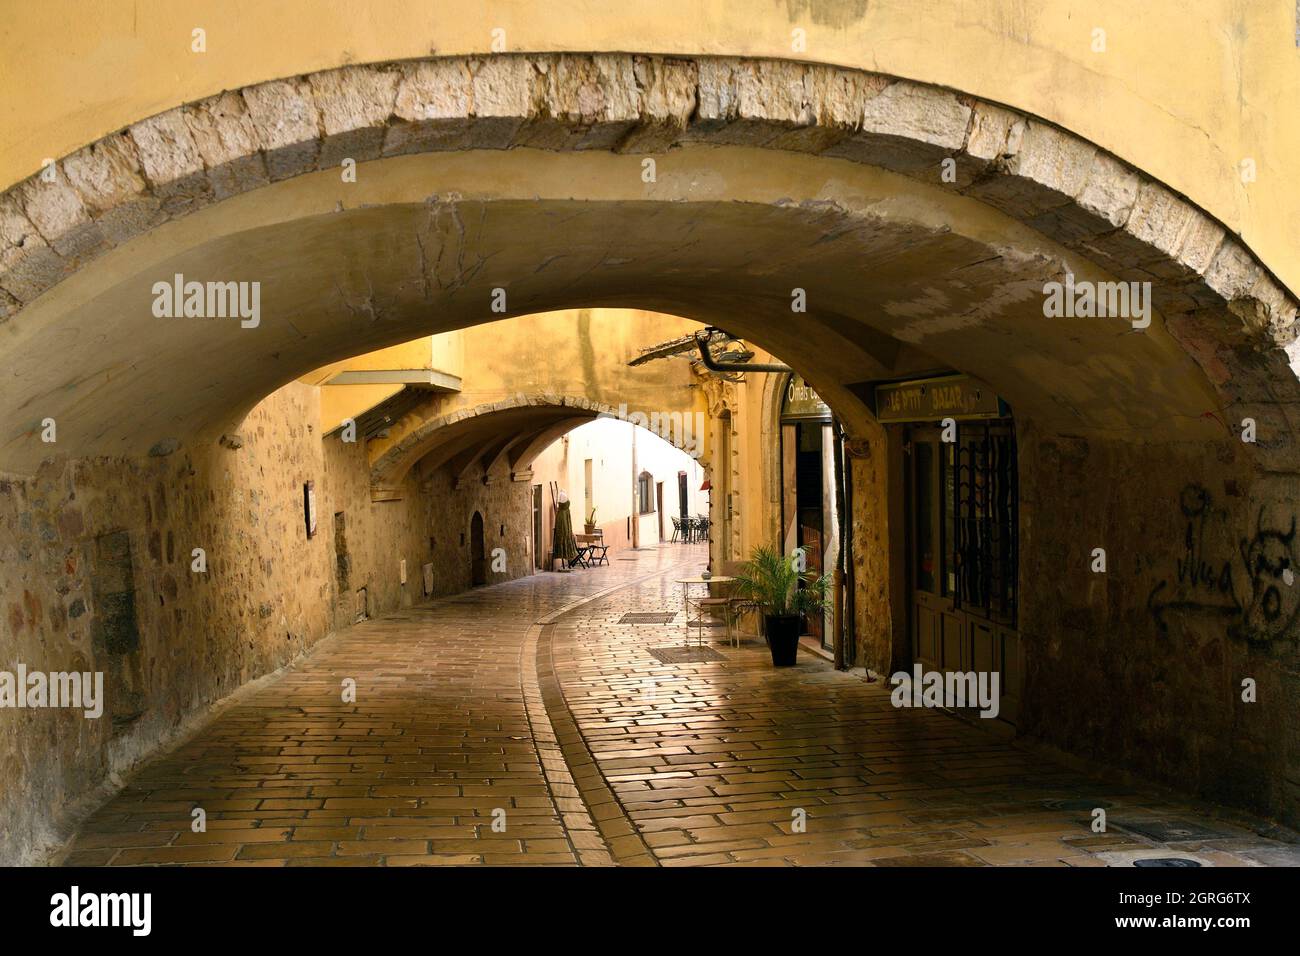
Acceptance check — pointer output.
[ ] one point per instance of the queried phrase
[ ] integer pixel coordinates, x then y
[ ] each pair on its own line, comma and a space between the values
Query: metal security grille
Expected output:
985, 496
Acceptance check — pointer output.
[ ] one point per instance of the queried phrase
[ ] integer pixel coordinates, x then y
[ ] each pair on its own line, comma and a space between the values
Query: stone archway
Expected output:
473, 433
1220, 304
922, 224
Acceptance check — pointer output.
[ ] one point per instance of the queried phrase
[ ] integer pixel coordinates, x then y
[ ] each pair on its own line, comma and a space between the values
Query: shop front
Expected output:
961, 492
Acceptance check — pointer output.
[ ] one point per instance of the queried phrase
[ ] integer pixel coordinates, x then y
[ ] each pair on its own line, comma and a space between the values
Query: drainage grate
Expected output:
1169, 831
1166, 861
685, 655
644, 617
1076, 804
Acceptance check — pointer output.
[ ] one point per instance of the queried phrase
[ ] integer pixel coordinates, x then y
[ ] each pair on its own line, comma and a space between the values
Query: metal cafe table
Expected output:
592, 550
700, 603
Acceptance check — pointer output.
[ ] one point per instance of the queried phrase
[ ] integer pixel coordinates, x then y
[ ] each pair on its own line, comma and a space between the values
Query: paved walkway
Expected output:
523, 724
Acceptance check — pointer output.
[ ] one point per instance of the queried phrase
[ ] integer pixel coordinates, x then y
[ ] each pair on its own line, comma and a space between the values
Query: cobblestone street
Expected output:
523, 724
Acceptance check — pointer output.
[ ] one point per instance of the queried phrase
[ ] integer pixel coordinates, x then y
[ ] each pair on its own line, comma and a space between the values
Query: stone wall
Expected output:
95, 575
506, 507
1142, 666
373, 539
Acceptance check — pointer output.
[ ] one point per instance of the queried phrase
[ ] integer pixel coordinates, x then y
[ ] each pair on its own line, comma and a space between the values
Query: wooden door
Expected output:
537, 526
962, 553
477, 552
659, 506
936, 639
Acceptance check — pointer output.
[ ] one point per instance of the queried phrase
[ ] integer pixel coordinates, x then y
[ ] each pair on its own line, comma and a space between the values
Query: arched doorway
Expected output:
477, 552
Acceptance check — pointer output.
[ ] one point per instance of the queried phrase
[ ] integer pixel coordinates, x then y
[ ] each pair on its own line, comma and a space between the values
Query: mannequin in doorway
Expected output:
563, 544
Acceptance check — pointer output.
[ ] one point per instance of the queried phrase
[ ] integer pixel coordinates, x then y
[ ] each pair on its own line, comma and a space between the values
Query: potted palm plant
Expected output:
784, 594
591, 522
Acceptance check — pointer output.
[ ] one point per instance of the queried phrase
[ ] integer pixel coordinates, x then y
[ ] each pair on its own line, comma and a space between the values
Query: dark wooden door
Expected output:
477, 549
537, 526
962, 541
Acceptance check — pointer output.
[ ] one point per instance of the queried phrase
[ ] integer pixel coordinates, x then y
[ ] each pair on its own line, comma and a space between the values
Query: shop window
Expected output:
925, 556
985, 500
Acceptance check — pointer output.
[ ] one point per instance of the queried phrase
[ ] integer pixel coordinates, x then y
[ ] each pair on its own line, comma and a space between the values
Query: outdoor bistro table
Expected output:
686, 584
591, 550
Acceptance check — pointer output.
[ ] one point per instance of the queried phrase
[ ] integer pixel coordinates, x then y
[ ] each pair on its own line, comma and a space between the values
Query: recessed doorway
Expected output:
477, 552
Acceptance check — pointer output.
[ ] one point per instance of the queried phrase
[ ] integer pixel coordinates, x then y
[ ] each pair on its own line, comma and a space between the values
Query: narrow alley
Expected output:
531, 704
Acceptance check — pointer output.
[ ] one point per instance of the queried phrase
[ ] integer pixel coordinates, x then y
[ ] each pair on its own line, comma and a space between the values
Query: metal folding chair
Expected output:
723, 603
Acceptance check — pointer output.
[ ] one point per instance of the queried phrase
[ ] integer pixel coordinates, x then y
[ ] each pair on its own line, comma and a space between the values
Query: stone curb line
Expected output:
599, 828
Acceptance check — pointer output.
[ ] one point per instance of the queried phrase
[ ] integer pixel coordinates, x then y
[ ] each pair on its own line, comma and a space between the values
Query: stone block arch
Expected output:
479, 430
166, 166
1228, 312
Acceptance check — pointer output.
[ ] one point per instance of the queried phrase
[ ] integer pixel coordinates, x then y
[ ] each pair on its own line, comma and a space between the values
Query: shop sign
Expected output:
802, 403
958, 397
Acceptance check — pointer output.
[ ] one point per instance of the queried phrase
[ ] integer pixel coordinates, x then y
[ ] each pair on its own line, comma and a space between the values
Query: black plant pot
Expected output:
783, 638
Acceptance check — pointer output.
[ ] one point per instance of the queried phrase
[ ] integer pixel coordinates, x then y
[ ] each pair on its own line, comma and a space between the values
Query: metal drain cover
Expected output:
1076, 804
1166, 861
644, 617
685, 655
1169, 831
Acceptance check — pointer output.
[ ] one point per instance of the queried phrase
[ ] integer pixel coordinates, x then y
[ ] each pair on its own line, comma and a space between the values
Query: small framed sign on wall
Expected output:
309, 506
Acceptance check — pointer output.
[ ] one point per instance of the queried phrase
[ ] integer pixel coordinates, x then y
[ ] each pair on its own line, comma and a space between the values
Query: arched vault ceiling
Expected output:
465, 436
768, 177
476, 440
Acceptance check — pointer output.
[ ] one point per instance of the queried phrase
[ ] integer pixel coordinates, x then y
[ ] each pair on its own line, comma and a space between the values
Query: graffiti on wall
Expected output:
1253, 590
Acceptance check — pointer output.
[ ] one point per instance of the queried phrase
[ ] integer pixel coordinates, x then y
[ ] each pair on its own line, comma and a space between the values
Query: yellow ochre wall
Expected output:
1184, 91
441, 353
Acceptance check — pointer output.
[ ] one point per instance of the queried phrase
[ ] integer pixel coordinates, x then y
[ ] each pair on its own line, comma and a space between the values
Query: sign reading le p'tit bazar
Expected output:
954, 396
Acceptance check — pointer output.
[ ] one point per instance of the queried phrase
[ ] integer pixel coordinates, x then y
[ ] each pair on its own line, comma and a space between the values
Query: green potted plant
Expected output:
591, 522
784, 594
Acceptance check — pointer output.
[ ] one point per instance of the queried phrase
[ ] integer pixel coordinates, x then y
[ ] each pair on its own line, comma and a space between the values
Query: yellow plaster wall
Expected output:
1184, 91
